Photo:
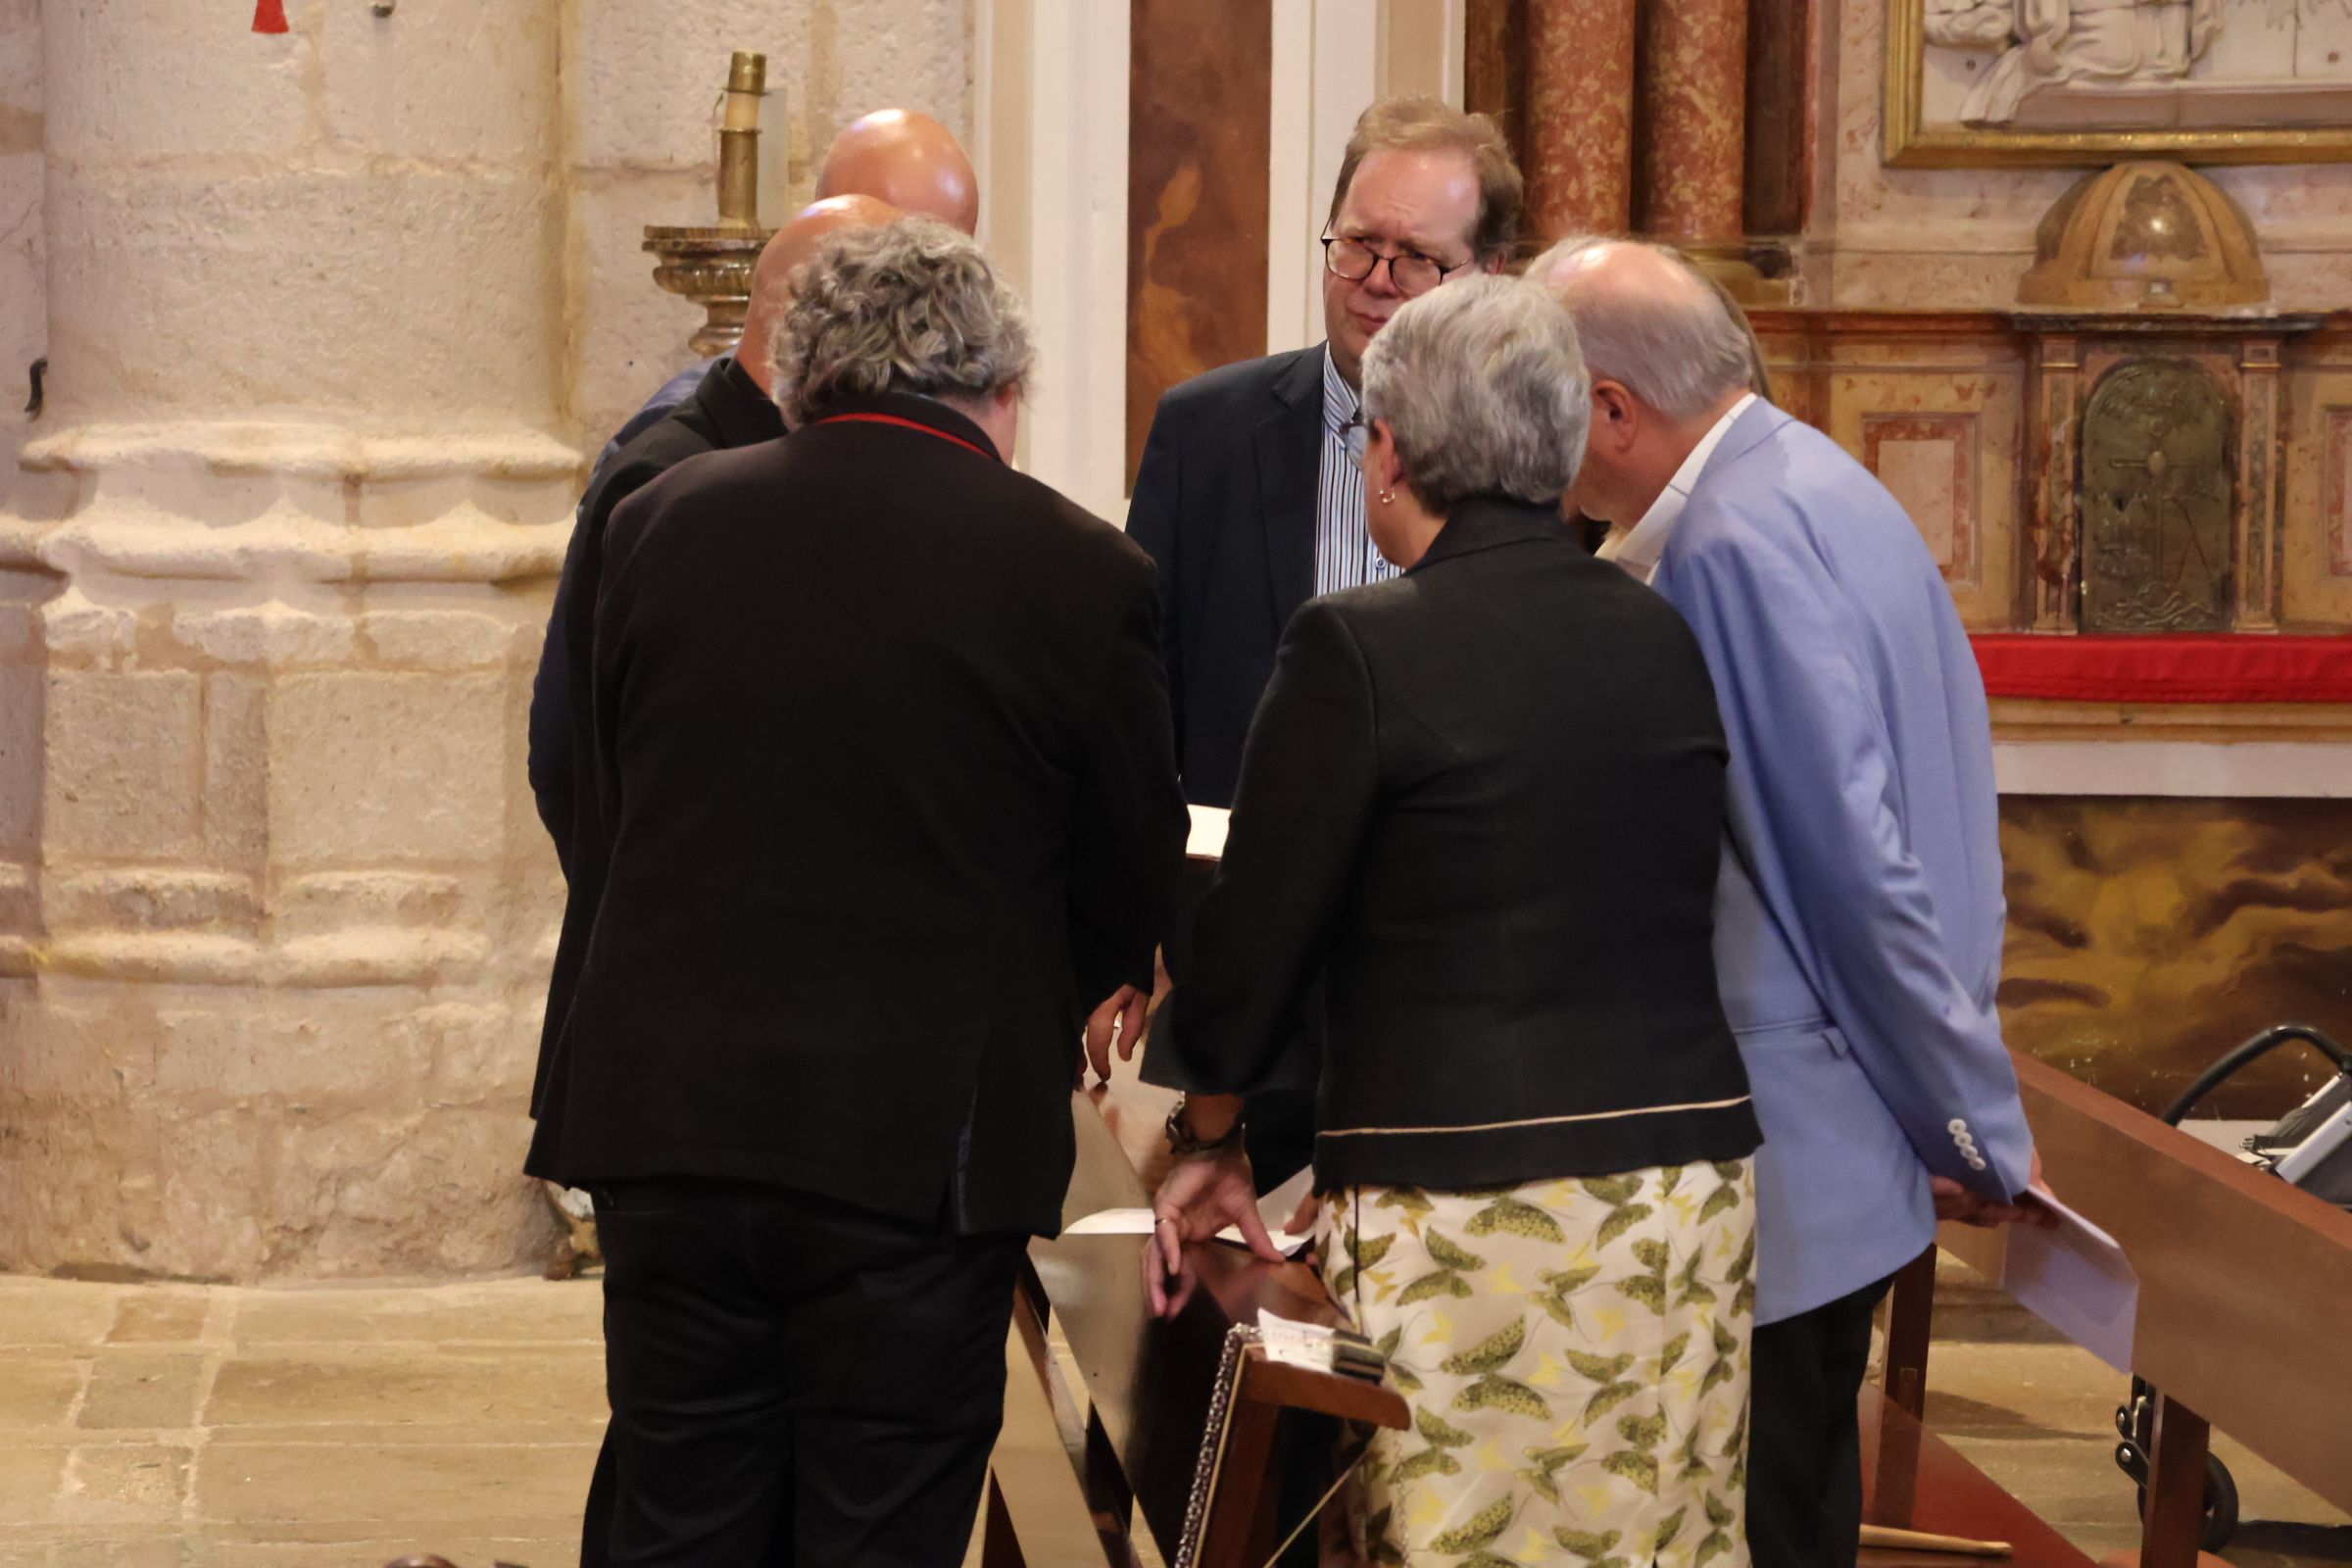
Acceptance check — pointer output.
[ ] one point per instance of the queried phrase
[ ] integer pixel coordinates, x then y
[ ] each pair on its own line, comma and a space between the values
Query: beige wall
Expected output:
332, 317
1890, 237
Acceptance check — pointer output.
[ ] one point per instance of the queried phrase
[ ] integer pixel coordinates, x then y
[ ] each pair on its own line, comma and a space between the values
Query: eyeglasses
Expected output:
1411, 272
1356, 436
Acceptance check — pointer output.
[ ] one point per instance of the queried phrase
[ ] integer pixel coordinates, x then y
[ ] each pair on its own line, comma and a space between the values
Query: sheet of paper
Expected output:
2074, 1278
1307, 1345
1207, 841
1275, 1208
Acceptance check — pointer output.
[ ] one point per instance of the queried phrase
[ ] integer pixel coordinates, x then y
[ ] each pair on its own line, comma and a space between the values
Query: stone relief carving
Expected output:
2136, 64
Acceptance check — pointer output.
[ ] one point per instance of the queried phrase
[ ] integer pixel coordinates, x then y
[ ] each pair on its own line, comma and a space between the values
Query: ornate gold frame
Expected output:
1911, 144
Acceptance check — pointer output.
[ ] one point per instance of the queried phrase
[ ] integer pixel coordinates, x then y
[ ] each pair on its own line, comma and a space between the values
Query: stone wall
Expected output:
1960, 238
332, 316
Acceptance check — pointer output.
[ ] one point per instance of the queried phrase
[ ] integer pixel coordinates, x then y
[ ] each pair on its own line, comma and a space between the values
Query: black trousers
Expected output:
793, 1380
1805, 1445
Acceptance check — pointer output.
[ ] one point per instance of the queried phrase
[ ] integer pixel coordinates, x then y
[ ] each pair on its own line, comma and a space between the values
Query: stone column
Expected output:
274, 908
1694, 146
1580, 117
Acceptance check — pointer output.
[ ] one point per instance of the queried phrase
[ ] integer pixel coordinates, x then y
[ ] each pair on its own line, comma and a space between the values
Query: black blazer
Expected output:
1225, 503
1486, 801
725, 410
884, 804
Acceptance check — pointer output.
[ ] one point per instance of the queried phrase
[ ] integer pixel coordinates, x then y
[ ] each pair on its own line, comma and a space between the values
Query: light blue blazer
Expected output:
1859, 915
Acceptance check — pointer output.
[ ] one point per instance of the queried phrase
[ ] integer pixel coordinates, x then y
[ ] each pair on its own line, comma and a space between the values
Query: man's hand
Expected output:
1122, 1011
1200, 1198
1954, 1201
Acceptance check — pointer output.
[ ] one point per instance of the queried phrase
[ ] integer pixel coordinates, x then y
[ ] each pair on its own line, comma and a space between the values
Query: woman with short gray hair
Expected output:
1484, 803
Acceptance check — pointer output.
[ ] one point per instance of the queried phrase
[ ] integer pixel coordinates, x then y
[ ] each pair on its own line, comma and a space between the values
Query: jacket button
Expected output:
1975, 1162
1955, 1126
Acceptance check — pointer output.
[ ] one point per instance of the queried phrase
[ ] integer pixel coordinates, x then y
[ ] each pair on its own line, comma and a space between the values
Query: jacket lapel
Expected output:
1289, 465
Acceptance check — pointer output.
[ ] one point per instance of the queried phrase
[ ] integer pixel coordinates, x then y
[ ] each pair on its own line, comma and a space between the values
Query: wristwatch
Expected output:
1183, 1143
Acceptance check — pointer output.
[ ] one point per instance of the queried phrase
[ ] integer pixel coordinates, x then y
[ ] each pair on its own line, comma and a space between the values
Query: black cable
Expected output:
2261, 1045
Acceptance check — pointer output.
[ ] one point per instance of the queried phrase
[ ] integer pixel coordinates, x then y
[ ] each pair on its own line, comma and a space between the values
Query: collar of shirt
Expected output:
1637, 550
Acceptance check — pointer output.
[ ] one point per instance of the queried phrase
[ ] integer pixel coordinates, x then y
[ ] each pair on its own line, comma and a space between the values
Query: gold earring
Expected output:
1387, 498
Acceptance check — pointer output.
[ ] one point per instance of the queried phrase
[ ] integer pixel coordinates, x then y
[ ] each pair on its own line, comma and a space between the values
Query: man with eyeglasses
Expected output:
1247, 496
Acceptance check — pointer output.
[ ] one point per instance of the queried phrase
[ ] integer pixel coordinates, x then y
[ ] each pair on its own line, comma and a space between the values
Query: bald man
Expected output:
1858, 914
908, 160
728, 407
896, 156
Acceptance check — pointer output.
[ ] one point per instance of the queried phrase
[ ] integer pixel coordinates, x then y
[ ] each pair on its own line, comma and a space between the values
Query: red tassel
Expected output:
270, 16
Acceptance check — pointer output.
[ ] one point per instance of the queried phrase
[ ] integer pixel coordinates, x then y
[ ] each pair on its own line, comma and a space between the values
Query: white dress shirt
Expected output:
1637, 550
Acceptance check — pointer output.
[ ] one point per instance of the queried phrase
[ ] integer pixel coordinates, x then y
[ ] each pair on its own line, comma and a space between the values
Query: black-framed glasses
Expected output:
1356, 436
1411, 272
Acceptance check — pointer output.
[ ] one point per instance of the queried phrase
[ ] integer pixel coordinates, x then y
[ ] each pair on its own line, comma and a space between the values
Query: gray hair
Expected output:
1483, 391
1681, 354
909, 307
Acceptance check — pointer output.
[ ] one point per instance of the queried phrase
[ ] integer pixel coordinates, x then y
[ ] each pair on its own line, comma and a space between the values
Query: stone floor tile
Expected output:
2046, 1390
38, 1388
524, 1311
50, 1312
327, 1483
107, 1483
410, 1434
387, 1385
158, 1552
160, 1315
139, 1390
32, 1475
471, 1551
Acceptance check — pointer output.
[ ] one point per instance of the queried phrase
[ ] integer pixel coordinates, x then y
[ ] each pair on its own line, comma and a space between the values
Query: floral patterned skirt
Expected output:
1575, 1358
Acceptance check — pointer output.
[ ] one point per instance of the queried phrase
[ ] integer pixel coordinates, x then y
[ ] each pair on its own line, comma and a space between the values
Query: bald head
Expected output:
1652, 321
1669, 353
908, 160
788, 250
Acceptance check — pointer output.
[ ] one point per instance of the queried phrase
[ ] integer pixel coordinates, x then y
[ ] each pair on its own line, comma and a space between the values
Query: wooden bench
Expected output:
2245, 1298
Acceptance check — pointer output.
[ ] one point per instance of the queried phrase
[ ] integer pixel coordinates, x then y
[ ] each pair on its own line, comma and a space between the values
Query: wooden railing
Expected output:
2243, 1321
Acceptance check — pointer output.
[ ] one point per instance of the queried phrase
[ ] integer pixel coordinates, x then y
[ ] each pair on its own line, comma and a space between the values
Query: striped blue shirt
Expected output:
1344, 554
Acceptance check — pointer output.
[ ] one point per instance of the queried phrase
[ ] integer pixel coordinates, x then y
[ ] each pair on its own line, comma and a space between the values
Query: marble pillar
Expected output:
1693, 112
275, 911
1580, 117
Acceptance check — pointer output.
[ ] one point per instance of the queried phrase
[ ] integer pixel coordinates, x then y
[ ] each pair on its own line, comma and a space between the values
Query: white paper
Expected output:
2074, 1278
1275, 1208
1306, 1344
1207, 841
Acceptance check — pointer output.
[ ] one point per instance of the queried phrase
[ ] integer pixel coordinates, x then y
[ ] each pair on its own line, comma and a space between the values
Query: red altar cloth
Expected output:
2245, 668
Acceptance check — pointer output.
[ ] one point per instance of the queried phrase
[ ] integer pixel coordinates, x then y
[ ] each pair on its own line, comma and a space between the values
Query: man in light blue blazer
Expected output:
1860, 912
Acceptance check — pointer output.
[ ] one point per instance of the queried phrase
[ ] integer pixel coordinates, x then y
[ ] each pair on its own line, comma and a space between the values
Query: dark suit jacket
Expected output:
884, 803
1485, 801
725, 409
1225, 503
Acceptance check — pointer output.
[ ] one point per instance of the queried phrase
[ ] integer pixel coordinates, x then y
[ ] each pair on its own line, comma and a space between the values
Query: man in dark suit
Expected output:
728, 407
1246, 499
882, 803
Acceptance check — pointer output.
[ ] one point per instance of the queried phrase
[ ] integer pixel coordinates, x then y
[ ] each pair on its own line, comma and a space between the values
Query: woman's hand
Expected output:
1124, 1010
1200, 1198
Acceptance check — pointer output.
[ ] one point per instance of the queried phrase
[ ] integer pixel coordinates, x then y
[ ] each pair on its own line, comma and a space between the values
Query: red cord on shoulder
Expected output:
270, 16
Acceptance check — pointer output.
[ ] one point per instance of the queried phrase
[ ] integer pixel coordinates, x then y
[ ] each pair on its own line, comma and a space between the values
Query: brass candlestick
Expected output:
711, 265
